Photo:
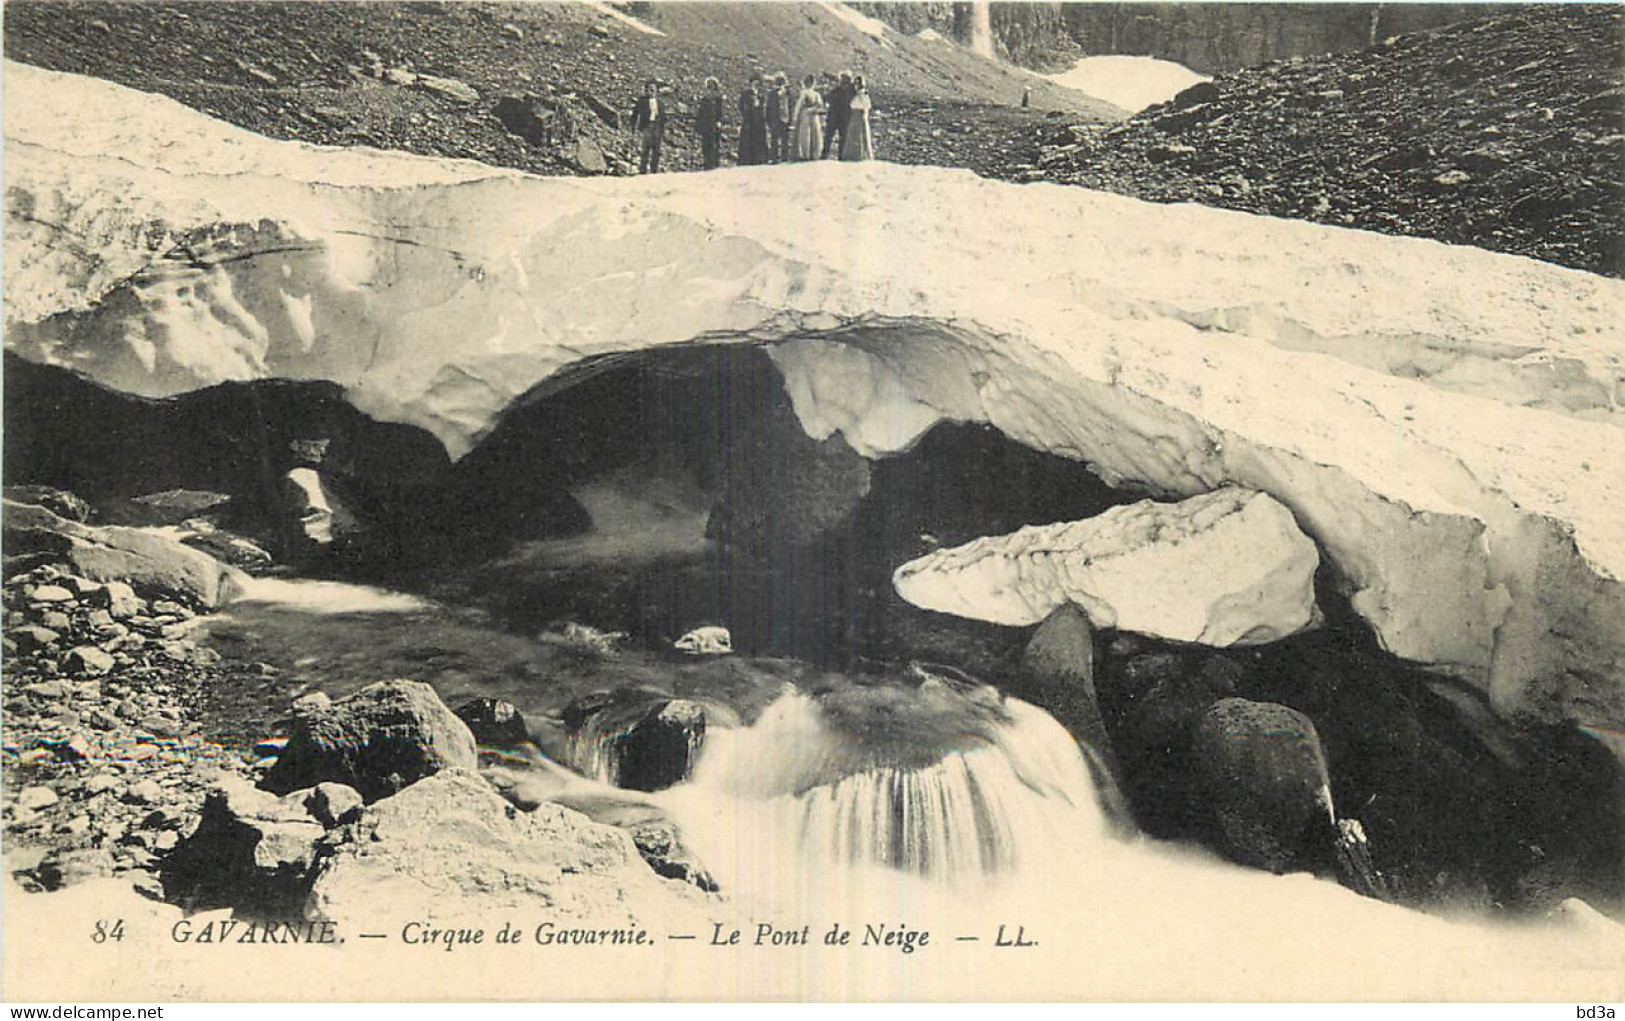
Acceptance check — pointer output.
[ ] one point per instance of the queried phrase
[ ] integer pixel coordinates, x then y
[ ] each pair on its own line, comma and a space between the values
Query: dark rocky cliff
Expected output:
1207, 37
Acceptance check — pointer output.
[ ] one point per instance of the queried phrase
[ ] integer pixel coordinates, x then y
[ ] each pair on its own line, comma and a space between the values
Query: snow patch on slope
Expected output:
1132, 83
862, 22
623, 17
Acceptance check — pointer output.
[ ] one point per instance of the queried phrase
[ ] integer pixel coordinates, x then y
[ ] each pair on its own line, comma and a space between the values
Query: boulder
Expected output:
637, 740
152, 564
1226, 568
586, 155
32, 637
1263, 769
58, 501
251, 850
384, 737
334, 803
1057, 673
528, 117
656, 836
88, 661
494, 721
452, 845
120, 600
450, 88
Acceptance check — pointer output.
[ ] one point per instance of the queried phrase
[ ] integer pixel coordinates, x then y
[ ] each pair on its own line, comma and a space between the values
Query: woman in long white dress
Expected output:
809, 121
860, 141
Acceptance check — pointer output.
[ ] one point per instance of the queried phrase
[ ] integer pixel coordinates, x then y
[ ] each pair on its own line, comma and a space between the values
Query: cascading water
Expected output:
960, 789
981, 28
936, 810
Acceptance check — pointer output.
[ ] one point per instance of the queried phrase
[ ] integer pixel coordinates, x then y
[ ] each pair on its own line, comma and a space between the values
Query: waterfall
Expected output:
927, 782
981, 28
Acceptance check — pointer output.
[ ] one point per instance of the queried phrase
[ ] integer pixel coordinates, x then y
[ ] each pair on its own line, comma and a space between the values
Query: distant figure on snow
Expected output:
840, 112
752, 124
1026, 96
778, 119
709, 124
860, 141
808, 120
649, 120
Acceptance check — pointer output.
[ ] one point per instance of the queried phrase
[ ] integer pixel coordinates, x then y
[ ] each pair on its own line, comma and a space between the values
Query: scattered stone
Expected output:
144, 559
68, 867
120, 600
494, 721
146, 792
100, 783
378, 740
73, 749
51, 594
36, 798
332, 804
88, 660
32, 638
450, 88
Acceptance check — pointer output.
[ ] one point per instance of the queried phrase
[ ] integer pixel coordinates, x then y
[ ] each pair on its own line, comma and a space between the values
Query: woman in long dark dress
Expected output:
708, 121
752, 124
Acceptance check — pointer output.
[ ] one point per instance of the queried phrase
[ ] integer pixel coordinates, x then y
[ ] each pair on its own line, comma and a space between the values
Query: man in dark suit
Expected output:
778, 120
840, 113
649, 121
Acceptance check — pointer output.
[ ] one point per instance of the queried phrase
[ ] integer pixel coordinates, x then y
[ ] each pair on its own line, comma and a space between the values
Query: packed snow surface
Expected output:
862, 22
1132, 83
1444, 422
624, 18
1225, 568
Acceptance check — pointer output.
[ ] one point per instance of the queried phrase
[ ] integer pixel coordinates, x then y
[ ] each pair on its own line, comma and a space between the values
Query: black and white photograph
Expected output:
809, 501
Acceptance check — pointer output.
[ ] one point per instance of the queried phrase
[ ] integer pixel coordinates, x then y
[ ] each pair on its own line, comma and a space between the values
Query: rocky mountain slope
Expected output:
1206, 37
539, 87
1506, 133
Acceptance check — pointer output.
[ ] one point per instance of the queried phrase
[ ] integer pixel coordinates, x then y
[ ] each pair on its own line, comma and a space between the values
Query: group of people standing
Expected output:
774, 126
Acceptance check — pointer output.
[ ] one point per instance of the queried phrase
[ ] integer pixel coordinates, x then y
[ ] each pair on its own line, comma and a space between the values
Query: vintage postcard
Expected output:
813, 501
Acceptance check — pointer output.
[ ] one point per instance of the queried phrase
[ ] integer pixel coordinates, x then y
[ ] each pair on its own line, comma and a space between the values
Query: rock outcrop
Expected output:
494, 721
156, 566
1264, 772
637, 740
451, 844
1176, 350
251, 851
379, 740
1502, 132
1228, 568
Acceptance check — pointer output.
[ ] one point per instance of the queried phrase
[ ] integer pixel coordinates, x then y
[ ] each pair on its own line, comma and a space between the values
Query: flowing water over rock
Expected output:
916, 811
